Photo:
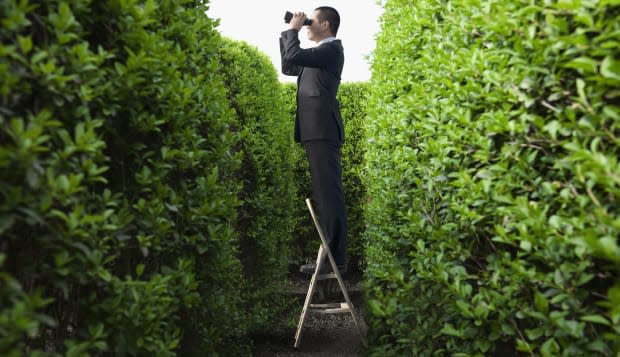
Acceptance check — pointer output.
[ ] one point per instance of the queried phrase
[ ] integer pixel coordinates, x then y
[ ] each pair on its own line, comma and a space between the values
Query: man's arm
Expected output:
293, 54
288, 68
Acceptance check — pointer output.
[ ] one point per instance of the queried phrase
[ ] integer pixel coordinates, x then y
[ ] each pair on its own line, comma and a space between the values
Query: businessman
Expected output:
318, 125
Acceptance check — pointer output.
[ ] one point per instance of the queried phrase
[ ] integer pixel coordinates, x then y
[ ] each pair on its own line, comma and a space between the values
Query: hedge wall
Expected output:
265, 218
303, 246
121, 178
493, 179
352, 98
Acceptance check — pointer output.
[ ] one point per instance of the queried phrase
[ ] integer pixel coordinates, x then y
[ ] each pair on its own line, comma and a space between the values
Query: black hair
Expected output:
330, 14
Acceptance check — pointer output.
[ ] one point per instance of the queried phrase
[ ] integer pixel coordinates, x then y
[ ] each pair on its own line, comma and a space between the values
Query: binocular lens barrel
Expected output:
289, 15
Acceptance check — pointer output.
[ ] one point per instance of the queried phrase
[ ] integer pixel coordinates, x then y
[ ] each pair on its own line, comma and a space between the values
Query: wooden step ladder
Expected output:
330, 308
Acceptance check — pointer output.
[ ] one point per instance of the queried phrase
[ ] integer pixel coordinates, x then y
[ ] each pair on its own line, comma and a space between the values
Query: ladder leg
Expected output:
344, 291
311, 288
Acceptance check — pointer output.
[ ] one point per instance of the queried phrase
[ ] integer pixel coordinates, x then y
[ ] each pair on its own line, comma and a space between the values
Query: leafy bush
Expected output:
352, 98
305, 239
492, 180
117, 182
264, 219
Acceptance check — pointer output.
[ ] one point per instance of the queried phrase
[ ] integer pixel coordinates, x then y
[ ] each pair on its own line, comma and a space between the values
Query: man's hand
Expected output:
297, 21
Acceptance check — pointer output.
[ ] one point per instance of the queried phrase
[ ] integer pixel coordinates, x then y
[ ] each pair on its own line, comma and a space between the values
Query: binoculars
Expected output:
289, 15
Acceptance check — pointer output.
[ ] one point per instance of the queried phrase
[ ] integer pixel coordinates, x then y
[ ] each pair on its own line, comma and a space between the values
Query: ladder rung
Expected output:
326, 276
332, 308
330, 305
330, 311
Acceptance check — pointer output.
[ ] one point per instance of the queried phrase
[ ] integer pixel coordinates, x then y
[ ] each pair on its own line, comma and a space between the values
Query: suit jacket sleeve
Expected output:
288, 68
292, 54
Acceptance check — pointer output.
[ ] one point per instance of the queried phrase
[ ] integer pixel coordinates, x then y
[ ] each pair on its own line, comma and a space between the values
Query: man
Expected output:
318, 125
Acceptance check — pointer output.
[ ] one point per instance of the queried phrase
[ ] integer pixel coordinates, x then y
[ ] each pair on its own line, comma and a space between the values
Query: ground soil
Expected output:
323, 335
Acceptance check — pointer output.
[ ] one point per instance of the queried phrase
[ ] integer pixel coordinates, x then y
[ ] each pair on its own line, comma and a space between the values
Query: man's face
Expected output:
316, 30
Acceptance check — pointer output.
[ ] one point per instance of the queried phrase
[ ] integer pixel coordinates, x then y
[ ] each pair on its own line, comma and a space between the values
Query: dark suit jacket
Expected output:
318, 72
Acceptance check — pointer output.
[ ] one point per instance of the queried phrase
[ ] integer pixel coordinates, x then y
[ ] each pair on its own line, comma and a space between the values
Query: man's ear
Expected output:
326, 25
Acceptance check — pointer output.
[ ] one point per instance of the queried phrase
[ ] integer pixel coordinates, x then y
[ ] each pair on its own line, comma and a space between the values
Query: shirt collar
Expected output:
326, 40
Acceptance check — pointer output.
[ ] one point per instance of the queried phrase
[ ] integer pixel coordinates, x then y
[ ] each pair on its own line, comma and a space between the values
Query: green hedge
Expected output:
265, 217
492, 177
305, 239
121, 178
352, 98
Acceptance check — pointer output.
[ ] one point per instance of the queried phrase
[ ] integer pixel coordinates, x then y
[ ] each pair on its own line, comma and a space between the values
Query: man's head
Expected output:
325, 23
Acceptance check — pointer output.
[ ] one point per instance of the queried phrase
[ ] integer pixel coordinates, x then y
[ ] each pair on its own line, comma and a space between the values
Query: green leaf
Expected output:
448, 329
139, 270
523, 346
552, 128
534, 334
38, 57
540, 302
584, 64
105, 275
25, 43
376, 308
62, 183
76, 350
610, 68
581, 85
550, 348
597, 319
525, 245
568, 4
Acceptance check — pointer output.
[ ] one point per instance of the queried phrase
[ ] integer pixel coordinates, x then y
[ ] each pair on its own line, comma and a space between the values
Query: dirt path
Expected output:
323, 335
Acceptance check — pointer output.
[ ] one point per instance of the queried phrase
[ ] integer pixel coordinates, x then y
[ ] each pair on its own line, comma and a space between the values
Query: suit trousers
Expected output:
326, 171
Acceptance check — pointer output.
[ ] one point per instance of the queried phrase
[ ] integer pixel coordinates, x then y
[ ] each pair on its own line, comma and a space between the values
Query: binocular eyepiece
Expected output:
289, 15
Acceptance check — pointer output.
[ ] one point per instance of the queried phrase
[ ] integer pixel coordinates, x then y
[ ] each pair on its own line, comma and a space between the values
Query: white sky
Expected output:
259, 23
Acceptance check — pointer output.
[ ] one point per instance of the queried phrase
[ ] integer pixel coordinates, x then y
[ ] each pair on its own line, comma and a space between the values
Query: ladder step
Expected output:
330, 305
332, 308
326, 276
330, 311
